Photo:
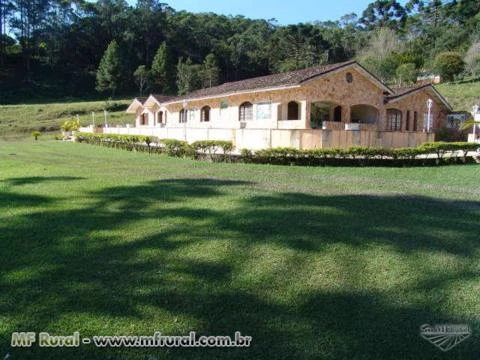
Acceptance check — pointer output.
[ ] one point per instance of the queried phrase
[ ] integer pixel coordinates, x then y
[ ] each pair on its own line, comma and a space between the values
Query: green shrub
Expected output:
406, 153
36, 134
177, 148
211, 147
246, 155
449, 65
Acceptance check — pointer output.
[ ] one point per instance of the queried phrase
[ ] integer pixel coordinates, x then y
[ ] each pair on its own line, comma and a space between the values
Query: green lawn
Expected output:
20, 120
313, 263
461, 96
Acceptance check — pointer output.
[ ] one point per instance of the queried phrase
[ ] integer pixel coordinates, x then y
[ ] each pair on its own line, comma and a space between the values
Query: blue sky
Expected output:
286, 12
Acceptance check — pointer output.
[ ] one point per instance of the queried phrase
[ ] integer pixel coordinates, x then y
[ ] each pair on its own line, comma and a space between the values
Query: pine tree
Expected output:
109, 73
162, 69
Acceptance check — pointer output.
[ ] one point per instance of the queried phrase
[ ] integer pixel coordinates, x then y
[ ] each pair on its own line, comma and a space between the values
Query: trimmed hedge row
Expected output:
171, 147
217, 150
363, 155
125, 142
211, 147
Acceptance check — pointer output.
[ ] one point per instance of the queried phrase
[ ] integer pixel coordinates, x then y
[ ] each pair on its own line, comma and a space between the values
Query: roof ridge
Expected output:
402, 90
289, 78
340, 64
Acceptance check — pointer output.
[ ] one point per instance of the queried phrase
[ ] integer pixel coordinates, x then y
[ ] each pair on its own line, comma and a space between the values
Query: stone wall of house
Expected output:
336, 89
333, 88
418, 102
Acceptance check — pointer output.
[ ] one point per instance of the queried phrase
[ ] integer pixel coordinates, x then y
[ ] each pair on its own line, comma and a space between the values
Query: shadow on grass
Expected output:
100, 263
307, 222
17, 200
38, 179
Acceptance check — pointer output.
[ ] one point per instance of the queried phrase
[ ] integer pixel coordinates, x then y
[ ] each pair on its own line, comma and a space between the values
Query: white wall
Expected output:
254, 139
227, 118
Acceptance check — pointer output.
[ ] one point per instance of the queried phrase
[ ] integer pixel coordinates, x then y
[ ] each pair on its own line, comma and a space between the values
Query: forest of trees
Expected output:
74, 48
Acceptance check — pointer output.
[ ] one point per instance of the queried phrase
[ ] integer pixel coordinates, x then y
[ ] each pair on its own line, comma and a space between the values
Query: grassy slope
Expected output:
461, 96
330, 263
20, 120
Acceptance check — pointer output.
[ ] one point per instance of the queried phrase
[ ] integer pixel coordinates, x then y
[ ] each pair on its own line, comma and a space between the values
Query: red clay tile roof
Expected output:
276, 80
163, 98
286, 79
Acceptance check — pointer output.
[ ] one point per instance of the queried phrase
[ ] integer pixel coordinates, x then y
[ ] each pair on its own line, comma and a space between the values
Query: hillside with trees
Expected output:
74, 48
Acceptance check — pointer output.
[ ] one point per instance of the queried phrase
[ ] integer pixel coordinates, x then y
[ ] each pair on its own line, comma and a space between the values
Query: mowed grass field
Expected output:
313, 263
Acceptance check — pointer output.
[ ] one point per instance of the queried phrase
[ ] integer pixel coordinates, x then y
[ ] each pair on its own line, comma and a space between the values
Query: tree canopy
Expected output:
63, 47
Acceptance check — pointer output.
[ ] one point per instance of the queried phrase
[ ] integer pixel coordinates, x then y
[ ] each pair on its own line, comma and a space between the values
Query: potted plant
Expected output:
69, 127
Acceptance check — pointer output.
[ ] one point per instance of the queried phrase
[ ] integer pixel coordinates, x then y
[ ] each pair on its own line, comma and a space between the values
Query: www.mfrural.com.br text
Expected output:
45, 339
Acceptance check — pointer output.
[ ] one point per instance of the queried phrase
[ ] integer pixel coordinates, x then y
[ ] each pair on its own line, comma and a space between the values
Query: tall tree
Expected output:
109, 73
298, 46
142, 77
162, 69
188, 76
148, 25
211, 71
381, 54
6, 9
384, 13
30, 16
111, 19
250, 50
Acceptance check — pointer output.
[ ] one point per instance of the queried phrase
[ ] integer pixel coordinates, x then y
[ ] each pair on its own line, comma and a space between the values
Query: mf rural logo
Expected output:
445, 337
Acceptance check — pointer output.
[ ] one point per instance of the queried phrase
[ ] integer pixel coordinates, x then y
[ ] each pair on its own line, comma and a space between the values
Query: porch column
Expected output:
137, 119
347, 114
382, 119
305, 113
274, 114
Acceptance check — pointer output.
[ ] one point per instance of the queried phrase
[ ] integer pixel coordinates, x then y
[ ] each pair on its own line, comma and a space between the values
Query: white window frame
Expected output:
192, 115
261, 104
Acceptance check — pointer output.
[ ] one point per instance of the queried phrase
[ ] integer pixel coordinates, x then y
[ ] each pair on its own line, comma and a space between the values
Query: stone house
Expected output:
338, 105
